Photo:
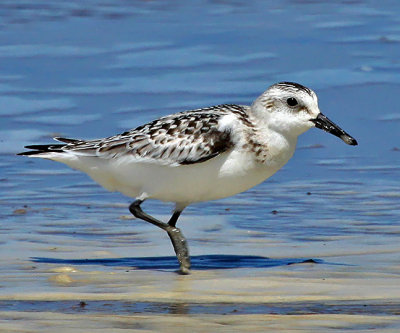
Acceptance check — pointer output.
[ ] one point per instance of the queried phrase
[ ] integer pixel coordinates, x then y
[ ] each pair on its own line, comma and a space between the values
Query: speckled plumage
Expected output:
196, 155
183, 138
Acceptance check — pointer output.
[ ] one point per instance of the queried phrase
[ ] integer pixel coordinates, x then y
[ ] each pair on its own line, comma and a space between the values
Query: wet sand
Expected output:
352, 284
313, 249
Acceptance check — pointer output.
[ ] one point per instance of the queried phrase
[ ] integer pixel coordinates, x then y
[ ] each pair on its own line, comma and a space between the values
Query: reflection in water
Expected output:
203, 262
88, 69
179, 309
130, 308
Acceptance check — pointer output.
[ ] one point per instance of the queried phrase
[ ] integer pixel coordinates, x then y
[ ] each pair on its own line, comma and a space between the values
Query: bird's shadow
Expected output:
200, 262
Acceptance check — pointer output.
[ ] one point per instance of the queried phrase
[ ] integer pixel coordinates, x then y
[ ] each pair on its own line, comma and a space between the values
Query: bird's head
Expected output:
292, 109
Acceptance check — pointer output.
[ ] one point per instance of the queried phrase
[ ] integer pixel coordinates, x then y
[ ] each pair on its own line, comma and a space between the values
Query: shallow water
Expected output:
313, 248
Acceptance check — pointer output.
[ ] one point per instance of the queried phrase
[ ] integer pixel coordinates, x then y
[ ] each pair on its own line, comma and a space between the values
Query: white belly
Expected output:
220, 177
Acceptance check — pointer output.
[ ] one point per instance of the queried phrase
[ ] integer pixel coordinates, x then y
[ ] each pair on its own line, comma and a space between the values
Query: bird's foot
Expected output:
181, 249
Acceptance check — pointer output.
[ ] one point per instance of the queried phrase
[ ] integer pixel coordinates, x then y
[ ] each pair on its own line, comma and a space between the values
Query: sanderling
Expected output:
197, 155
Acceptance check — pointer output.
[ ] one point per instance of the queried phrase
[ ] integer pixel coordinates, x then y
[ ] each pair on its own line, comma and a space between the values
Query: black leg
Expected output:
174, 218
178, 240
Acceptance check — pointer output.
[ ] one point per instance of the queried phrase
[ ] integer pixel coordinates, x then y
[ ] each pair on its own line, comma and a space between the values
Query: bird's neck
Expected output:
271, 147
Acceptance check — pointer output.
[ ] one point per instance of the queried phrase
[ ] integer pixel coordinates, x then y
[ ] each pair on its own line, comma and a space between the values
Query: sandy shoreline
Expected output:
337, 292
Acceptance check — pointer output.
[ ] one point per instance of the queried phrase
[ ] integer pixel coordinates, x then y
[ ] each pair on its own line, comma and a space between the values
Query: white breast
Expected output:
223, 176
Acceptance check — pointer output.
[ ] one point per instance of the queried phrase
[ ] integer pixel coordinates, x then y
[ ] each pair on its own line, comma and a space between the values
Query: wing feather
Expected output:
179, 139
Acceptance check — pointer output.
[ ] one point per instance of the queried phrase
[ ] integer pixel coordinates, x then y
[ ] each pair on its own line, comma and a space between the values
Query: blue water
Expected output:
85, 69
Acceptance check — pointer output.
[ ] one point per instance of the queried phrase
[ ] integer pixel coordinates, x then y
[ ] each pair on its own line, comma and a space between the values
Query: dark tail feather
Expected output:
39, 149
66, 140
55, 148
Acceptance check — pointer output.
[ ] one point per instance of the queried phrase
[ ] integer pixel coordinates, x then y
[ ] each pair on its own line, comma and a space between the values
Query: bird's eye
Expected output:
291, 101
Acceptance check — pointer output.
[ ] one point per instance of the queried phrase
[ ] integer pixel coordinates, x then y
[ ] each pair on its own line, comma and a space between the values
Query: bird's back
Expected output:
185, 156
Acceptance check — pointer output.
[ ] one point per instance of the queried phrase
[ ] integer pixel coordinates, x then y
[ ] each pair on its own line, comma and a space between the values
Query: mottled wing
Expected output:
180, 139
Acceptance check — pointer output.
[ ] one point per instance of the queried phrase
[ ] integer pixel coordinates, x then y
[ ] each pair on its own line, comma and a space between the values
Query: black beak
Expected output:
325, 124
